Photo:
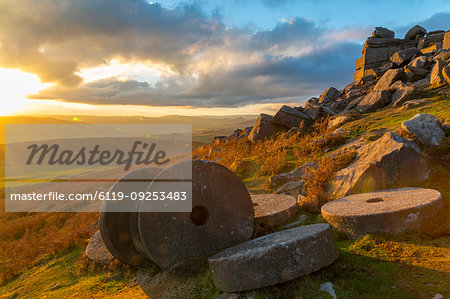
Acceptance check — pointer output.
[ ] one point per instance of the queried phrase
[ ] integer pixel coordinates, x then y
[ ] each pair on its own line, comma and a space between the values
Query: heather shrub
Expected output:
317, 178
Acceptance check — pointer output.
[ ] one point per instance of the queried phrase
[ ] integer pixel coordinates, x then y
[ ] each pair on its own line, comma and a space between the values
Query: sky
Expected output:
135, 57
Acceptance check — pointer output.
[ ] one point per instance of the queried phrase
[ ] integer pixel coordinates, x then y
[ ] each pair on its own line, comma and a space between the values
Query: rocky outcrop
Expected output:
264, 128
375, 100
290, 117
391, 71
415, 72
238, 134
402, 57
376, 55
294, 175
437, 79
415, 103
388, 79
317, 111
339, 120
443, 55
378, 165
419, 62
446, 41
415, 32
431, 39
328, 96
433, 49
292, 188
382, 53
426, 127
446, 73
402, 93
383, 32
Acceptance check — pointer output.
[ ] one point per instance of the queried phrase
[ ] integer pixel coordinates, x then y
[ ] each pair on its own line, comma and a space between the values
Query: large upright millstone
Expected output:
115, 227
222, 216
273, 209
274, 258
389, 211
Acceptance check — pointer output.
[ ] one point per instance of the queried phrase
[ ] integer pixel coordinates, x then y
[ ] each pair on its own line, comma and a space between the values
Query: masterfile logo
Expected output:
52, 155
70, 168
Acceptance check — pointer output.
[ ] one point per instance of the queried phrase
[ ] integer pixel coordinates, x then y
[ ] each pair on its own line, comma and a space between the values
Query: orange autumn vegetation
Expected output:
283, 153
273, 155
27, 238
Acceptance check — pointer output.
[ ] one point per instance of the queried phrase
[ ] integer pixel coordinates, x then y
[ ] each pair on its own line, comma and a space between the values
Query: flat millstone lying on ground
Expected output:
273, 209
179, 282
274, 258
96, 250
389, 211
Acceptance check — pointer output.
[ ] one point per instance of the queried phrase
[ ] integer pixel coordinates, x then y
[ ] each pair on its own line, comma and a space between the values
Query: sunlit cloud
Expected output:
123, 71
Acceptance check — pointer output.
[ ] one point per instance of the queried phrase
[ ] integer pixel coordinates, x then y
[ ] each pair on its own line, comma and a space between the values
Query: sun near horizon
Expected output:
17, 86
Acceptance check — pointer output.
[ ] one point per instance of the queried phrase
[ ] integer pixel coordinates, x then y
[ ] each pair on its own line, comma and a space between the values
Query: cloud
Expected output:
272, 79
211, 65
55, 38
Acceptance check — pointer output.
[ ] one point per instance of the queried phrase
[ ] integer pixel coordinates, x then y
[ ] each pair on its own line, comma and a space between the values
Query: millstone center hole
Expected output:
199, 215
376, 199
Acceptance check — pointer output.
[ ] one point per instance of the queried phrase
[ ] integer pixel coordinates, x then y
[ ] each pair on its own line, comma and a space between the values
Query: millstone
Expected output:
115, 226
389, 211
178, 282
222, 216
274, 258
97, 251
273, 209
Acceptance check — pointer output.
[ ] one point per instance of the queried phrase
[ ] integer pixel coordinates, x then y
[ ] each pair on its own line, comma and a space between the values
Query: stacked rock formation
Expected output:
390, 72
383, 51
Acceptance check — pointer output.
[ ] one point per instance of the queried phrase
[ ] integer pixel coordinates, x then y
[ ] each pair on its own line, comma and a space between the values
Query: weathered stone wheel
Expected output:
389, 211
273, 209
115, 226
222, 215
274, 258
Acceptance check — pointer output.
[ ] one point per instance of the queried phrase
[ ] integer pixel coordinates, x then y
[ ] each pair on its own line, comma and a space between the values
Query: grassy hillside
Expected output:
41, 255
